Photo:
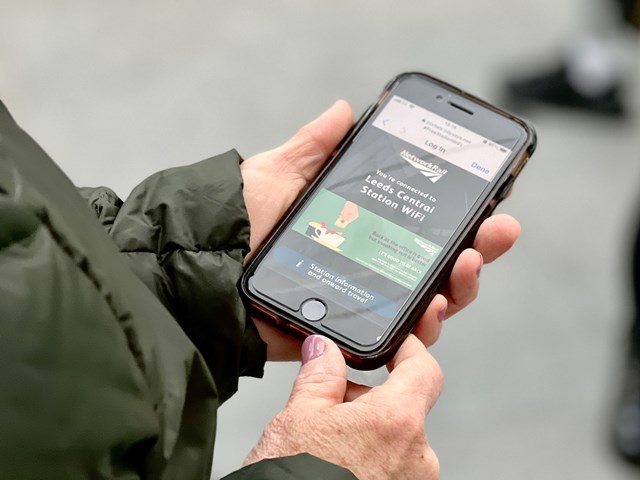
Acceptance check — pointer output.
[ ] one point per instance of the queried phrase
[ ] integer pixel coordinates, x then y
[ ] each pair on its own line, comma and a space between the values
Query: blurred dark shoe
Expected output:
554, 88
627, 419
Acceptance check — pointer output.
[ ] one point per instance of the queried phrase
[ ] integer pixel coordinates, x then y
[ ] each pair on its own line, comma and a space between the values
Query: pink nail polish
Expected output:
312, 347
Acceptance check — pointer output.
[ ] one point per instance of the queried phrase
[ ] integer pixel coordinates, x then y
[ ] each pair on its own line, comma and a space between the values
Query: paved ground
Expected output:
117, 90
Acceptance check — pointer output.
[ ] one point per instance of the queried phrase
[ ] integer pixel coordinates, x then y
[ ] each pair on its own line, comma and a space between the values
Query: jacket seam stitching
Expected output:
81, 261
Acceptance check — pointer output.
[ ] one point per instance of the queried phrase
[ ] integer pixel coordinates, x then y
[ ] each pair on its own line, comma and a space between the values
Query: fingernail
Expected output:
481, 264
312, 347
442, 313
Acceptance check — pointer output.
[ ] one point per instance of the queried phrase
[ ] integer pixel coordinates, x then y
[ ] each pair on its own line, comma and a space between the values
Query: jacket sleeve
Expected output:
185, 232
97, 380
298, 467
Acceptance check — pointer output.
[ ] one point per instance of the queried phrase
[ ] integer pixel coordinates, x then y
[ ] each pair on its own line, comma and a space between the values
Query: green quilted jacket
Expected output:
121, 328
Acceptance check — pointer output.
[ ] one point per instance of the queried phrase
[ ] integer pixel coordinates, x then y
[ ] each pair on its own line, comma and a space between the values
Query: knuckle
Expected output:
463, 298
436, 378
425, 465
318, 384
427, 374
432, 383
432, 464
406, 422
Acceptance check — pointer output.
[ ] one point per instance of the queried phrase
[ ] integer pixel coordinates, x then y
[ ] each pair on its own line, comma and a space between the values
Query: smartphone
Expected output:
364, 250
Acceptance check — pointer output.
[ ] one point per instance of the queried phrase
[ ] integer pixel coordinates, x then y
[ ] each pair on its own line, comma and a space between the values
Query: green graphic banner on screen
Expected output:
368, 239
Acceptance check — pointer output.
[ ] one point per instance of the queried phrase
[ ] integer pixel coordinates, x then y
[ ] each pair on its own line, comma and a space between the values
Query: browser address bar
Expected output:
441, 137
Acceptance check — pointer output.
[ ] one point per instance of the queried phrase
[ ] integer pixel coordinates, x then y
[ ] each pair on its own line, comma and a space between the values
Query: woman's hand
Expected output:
274, 179
377, 433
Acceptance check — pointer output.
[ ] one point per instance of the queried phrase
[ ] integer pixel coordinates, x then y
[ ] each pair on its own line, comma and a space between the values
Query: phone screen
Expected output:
374, 228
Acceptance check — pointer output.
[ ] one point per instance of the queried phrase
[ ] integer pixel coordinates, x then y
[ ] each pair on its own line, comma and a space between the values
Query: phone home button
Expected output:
313, 309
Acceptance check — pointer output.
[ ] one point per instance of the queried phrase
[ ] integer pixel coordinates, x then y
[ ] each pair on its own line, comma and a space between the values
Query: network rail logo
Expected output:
428, 169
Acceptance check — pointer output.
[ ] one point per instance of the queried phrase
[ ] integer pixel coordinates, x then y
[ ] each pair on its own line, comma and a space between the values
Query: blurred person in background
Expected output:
627, 419
592, 73
591, 77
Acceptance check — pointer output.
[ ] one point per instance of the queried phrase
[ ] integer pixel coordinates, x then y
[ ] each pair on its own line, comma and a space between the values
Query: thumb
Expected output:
322, 380
309, 148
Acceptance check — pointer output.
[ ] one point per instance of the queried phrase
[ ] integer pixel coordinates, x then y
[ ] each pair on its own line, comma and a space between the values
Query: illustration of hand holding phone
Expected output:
348, 214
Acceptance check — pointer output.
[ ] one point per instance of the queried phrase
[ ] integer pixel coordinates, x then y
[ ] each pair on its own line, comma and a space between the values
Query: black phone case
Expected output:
369, 360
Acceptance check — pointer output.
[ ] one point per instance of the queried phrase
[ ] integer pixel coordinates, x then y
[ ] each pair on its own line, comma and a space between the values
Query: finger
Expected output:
322, 379
496, 235
312, 144
355, 391
414, 375
464, 281
429, 325
280, 346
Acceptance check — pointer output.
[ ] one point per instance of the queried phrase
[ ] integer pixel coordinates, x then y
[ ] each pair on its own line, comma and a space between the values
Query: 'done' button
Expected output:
313, 310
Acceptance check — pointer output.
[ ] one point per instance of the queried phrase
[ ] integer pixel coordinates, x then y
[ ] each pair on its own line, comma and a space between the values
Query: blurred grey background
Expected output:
117, 90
